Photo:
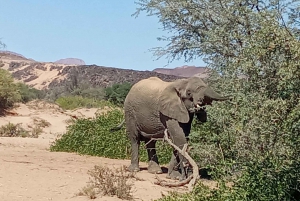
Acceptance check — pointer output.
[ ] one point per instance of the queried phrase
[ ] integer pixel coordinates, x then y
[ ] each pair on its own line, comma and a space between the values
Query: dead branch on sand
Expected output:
191, 180
176, 184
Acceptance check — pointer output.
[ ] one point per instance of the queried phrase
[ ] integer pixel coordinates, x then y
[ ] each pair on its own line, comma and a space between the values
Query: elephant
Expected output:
153, 105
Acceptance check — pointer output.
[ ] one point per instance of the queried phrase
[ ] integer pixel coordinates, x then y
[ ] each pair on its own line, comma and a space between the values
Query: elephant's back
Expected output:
143, 96
150, 88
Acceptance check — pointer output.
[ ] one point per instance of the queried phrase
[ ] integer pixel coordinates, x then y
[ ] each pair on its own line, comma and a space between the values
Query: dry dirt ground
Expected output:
29, 171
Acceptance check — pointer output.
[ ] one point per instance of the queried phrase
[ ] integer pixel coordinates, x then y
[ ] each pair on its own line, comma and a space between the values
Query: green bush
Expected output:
72, 89
72, 102
9, 93
89, 92
29, 93
93, 137
117, 92
253, 184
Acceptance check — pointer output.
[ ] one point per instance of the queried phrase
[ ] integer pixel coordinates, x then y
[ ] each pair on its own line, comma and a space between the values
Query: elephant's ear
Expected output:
170, 103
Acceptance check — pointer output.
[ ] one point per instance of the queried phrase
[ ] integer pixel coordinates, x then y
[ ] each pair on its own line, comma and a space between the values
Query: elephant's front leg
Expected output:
178, 137
173, 168
153, 165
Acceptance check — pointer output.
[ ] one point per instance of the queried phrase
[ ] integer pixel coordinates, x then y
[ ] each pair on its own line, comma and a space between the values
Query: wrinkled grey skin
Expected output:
153, 105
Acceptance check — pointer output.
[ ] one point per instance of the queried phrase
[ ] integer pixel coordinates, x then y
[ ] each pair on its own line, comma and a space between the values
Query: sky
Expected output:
100, 32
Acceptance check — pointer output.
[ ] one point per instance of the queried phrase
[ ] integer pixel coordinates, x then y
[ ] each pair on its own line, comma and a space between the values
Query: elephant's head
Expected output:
184, 96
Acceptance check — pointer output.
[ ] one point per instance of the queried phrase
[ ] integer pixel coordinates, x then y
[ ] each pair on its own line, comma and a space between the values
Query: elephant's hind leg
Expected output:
153, 165
134, 137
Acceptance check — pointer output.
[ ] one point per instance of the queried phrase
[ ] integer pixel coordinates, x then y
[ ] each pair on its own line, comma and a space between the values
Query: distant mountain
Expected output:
184, 71
43, 75
104, 76
70, 61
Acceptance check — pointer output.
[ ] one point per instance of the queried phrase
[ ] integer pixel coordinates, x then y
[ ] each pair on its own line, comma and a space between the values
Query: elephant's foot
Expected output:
175, 175
133, 168
154, 168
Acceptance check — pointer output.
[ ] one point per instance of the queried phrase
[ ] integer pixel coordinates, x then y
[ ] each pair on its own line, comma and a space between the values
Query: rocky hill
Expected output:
9, 55
105, 76
43, 75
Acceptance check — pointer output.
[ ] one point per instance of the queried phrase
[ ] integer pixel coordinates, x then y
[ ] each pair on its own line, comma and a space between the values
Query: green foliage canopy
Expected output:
29, 93
252, 48
9, 93
117, 92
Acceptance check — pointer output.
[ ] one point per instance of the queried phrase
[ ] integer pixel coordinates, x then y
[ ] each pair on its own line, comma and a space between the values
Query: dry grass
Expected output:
16, 130
88, 191
111, 182
44, 105
70, 121
36, 131
41, 122
13, 130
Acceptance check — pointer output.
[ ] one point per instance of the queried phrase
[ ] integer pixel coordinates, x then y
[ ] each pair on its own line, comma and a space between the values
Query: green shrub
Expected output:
89, 92
9, 93
117, 92
72, 89
72, 102
29, 93
93, 137
253, 184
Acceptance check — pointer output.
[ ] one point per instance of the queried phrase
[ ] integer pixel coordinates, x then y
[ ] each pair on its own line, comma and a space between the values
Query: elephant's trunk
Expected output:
209, 92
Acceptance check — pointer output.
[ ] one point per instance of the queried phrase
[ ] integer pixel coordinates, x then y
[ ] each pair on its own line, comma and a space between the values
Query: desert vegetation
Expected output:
109, 181
12, 92
93, 137
8, 90
16, 130
77, 93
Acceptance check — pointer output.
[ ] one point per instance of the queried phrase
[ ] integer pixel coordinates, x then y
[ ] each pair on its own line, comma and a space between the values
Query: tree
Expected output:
28, 93
255, 136
117, 92
9, 93
8, 89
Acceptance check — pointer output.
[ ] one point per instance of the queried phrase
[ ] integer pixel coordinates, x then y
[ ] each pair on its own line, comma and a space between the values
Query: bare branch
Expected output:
191, 180
176, 184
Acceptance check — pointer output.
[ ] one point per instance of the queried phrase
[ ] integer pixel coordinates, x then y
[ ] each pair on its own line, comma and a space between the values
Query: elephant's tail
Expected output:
118, 127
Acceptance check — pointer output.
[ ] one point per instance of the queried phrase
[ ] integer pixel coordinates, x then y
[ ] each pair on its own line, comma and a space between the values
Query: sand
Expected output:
29, 171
